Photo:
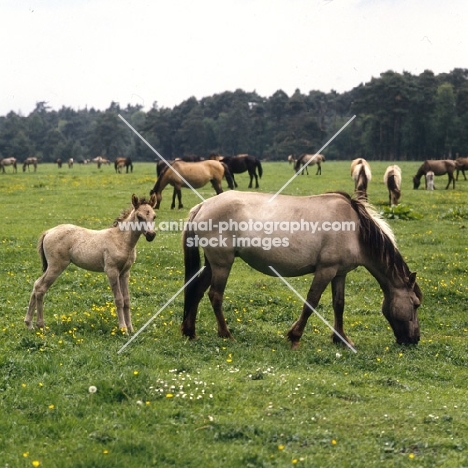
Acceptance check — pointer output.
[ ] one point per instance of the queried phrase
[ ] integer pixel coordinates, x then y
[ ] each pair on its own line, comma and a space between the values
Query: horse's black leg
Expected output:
338, 288
179, 197
234, 180
321, 280
194, 294
251, 175
256, 179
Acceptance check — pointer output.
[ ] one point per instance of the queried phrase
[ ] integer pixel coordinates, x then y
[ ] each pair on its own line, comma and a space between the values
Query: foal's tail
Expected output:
40, 249
191, 256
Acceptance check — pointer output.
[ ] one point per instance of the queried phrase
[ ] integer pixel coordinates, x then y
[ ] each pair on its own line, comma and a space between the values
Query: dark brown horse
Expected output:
241, 163
329, 254
181, 174
120, 163
438, 167
461, 164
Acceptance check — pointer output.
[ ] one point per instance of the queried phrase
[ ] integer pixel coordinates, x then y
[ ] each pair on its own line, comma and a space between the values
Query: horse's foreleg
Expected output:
216, 293
114, 282
217, 186
124, 278
321, 279
36, 301
194, 295
338, 288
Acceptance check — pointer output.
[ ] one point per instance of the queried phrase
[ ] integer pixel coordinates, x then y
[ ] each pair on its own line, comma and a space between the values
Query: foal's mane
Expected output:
126, 211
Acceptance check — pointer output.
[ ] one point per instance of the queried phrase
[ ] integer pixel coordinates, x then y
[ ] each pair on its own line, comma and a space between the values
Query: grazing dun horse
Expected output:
8, 162
120, 163
329, 254
438, 167
392, 180
430, 180
70, 163
28, 162
362, 175
461, 164
197, 174
306, 160
241, 163
109, 250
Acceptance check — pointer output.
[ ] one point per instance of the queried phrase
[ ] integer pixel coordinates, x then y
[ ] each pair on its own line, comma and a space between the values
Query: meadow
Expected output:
68, 399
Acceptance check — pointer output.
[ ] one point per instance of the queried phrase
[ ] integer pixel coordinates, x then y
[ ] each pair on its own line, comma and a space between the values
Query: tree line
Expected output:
399, 116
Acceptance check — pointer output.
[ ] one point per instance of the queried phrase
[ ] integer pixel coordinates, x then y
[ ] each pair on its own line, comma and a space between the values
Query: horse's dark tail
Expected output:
228, 175
40, 249
191, 257
259, 167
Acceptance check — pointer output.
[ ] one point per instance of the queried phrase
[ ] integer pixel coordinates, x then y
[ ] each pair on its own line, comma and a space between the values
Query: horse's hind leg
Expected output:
193, 295
338, 288
216, 293
321, 279
41, 286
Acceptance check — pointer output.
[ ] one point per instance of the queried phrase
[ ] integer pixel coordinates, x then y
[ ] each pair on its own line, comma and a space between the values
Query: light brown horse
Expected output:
197, 174
334, 249
362, 175
109, 250
392, 180
309, 160
8, 162
28, 162
461, 164
438, 167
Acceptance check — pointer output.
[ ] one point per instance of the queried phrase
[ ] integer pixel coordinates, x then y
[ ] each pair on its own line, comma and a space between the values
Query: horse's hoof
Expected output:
29, 324
295, 345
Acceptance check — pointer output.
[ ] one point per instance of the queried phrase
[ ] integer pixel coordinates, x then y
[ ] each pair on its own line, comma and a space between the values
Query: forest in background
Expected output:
399, 116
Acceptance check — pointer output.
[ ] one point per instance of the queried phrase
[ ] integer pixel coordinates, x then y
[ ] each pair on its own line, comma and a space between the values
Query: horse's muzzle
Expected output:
150, 236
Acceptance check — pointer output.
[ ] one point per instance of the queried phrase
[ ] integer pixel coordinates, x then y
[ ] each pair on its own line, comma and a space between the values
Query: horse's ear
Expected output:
135, 201
153, 200
412, 280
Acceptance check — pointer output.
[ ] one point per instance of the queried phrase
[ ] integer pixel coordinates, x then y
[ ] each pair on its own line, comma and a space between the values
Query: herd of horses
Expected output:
328, 255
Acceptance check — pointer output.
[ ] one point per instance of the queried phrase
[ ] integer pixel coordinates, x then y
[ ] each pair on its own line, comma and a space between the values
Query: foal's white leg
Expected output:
124, 278
114, 281
41, 286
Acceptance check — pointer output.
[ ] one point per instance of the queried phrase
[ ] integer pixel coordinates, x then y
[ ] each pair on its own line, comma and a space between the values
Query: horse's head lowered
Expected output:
144, 215
401, 311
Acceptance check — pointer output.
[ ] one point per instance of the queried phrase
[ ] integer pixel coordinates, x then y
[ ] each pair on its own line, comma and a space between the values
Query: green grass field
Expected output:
212, 402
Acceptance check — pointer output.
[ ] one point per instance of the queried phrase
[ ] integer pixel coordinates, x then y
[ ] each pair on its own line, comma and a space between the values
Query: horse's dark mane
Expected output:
126, 211
379, 243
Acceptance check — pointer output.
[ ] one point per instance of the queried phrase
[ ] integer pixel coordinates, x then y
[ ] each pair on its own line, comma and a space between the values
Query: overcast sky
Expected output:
80, 53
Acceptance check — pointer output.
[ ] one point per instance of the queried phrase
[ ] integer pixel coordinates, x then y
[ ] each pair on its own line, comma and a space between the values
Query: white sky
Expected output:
82, 53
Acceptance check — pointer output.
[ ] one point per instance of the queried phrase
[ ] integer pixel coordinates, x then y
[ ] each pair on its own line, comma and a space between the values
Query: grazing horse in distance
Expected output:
292, 159
392, 180
59, 163
8, 162
99, 160
197, 174
430, 180
461, 164
303, 160
28, 161
70, 163
109, 250
362, 175
241, 163
328, 255
438, 167
120, 163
